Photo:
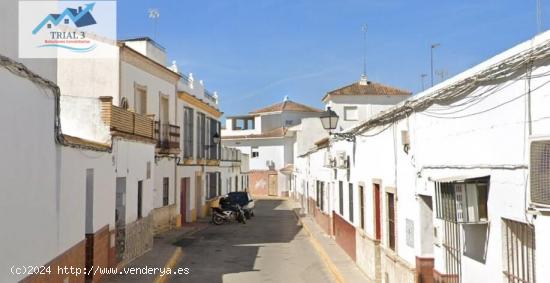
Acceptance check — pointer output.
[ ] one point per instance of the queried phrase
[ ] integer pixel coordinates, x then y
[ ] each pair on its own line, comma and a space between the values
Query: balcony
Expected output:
168, 138
124, 122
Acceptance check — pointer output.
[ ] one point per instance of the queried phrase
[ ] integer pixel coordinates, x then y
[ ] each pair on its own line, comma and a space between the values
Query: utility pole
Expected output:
433, 46
364, 28
422, 77
154, 15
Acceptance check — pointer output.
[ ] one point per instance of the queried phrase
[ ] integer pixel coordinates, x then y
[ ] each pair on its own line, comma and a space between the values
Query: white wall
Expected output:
130, 160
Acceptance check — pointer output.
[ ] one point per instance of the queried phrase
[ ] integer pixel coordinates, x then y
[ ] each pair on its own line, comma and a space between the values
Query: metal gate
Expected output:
453, 254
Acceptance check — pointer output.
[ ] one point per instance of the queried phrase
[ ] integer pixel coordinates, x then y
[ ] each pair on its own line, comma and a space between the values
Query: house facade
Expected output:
264, 135
446, 186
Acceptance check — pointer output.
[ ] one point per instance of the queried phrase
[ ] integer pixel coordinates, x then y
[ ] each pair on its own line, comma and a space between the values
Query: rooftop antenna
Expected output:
432, 47
539, 16
154, 15
422, 77
363, 80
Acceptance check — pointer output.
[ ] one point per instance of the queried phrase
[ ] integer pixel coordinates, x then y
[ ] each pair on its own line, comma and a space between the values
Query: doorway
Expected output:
120, 218
198, 195
184, 197
272, 185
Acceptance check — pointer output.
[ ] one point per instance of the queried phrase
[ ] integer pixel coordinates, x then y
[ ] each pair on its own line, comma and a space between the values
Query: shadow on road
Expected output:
233, 248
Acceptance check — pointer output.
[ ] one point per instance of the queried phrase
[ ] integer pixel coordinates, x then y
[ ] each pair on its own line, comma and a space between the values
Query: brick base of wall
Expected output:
75, 257
98, 251
344, 235
444, 278
425, 269
323, 220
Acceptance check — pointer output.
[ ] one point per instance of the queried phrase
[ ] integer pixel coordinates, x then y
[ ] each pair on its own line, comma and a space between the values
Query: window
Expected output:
148, 169
341, 197
519, 251
350, 202
351, 113
236, 183
463, 201
255, 152
322, 195
140, 200
201, 135
165, 191
213, 128
188, 132
391, 220
49, 25
140, 99
212, 187
66, 21
288, 123
362, 206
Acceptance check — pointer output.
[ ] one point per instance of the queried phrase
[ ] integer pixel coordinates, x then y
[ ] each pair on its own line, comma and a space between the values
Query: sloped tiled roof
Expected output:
286, 105
370, 88
275, 133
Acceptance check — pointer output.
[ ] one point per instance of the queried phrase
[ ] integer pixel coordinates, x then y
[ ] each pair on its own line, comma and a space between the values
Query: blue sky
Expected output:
254, 52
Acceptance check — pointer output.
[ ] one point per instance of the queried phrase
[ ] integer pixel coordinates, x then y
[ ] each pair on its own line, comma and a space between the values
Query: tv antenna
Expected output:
364, 29
154, 15
539, 16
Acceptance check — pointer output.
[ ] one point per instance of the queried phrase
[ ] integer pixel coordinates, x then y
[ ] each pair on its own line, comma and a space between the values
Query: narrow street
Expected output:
271, 247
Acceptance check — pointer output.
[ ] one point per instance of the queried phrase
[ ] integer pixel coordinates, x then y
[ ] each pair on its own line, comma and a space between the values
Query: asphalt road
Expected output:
270, 247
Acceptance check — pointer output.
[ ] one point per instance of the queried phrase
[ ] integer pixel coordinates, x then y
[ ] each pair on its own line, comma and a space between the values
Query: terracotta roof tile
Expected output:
287, 105
371, 88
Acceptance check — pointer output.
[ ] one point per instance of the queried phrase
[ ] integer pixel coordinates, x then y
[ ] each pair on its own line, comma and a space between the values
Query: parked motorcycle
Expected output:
227, 213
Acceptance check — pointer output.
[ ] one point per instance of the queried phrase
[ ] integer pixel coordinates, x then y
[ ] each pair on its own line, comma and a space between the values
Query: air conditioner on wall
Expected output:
539, 171
329, 161
341, 160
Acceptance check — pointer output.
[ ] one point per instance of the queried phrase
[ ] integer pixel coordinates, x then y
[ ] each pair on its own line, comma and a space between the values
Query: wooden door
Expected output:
198, 195
377, 220
184, 197
120, 218
272, 187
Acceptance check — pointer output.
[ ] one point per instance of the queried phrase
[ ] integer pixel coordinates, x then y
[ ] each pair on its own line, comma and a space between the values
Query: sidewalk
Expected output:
164, 252
338, 262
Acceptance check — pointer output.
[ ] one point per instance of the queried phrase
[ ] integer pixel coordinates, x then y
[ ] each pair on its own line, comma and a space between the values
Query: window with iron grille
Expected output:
165, 191
188, 132
350, 195
201, 135
463, 201
391, 220
211, 184
518, 240
140, 200
341, 197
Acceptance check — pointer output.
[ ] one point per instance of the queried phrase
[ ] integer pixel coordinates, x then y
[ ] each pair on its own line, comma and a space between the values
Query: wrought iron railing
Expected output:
168, 136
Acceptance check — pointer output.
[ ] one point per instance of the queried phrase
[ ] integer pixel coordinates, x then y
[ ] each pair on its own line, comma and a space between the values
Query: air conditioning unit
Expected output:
471, 202
539, 172
341, 160
329, 161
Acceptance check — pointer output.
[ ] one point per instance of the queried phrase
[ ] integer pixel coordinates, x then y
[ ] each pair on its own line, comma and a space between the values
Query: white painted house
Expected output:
264, 135
450, 185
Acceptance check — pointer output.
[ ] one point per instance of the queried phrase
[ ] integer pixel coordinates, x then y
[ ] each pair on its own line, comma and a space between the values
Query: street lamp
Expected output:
216, 139
329, 119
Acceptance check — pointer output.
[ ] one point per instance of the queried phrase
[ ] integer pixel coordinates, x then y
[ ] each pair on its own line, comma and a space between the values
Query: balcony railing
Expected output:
209, 96
124, 121
168, 137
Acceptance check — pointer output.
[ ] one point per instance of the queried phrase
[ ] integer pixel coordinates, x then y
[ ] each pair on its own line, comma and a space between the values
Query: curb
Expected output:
321, 251
176, 256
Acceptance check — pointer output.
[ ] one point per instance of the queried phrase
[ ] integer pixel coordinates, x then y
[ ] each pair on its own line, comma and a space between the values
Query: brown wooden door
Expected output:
184, 196
377, 220
272, 187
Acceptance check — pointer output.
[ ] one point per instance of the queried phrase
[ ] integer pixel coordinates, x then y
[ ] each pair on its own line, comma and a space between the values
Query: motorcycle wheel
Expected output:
247, 214
242, 219
216, 219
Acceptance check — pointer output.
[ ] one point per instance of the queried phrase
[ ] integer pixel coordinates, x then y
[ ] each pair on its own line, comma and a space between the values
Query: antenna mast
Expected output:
364, 28
154, 15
